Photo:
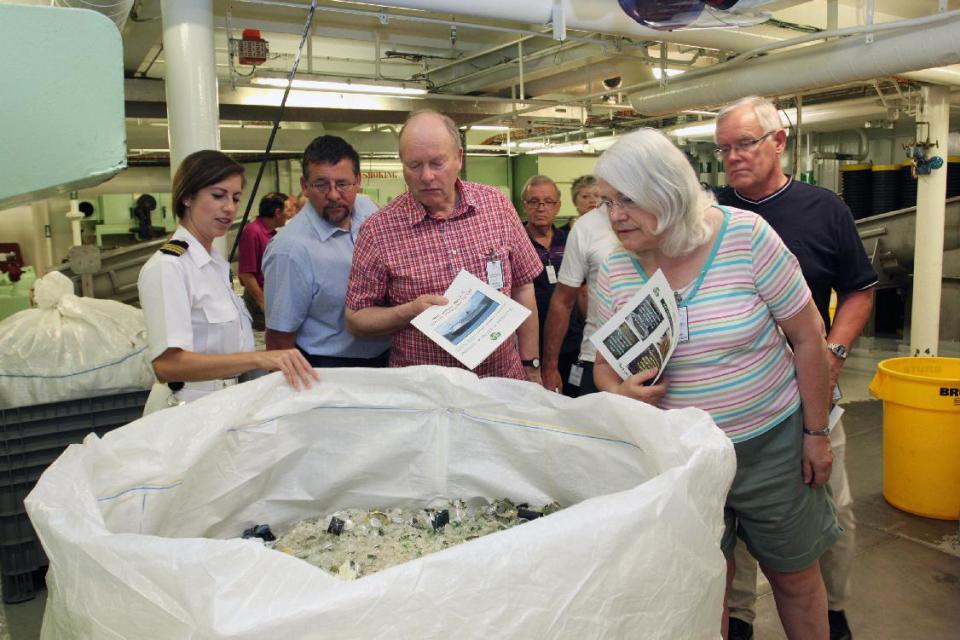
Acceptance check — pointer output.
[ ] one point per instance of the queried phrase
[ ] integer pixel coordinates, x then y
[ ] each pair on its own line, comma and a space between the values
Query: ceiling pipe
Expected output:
945, 75
605, 17
813, 67
863, 148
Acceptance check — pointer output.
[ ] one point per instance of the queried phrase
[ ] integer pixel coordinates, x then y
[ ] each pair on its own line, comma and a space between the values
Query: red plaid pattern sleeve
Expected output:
367, 286
402, 253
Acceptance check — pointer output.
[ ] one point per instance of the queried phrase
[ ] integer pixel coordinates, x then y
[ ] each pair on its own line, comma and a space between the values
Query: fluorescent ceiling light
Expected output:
670, 72
582, 147
487, 127
353, 87
704, 130
530, 144
603, 143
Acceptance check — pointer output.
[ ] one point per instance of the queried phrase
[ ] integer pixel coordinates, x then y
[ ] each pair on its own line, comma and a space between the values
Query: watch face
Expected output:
534, 363
839, 350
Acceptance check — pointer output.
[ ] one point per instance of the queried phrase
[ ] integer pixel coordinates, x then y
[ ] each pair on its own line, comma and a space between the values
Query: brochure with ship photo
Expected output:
644, 332
475, 321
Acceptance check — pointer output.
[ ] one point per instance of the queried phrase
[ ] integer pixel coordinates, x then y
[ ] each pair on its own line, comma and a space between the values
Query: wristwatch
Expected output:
533, 363
818, 432
838, 350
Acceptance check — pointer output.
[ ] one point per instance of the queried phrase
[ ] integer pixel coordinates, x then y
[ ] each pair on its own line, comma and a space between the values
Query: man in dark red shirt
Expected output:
409, 252
253, 242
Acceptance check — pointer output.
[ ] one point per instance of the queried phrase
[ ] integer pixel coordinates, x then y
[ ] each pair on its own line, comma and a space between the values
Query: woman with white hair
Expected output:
743, 297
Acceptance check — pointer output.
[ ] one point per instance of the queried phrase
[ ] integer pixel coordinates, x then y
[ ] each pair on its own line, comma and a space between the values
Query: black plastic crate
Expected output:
22, 557
30, 439
21, 587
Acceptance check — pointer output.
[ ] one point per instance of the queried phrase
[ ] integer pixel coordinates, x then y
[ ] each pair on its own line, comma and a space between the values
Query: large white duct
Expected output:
949, 76
605, 17
813, 67
116, 10
834, 116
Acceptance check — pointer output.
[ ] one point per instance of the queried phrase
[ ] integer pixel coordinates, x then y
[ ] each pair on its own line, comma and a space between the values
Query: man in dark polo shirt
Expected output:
819, 229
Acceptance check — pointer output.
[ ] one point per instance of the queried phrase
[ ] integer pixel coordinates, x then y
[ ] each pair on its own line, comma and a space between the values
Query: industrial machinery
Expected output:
889, 239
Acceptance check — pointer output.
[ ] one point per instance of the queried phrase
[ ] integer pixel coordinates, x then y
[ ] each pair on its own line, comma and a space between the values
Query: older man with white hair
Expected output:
409, 252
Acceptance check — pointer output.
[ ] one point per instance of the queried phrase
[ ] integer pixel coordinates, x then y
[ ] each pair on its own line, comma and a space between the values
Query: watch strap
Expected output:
821, 432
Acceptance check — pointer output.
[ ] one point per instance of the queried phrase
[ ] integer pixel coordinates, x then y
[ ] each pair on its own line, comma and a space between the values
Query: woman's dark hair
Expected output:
198, 170
272, 204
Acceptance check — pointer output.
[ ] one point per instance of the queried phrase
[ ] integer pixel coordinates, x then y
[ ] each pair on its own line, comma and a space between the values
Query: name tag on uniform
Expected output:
576, 375
495, 274
551, 274
683, 331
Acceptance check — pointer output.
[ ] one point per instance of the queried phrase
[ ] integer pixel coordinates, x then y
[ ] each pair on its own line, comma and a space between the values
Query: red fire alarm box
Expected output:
252, 49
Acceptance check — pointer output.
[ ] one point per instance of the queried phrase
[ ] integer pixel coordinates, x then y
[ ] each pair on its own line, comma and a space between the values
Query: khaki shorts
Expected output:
785, 524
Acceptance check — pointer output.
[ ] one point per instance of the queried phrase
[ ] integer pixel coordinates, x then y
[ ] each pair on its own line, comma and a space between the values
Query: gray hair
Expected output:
537, 181
581, 183
767, 114
647, 168
447, 121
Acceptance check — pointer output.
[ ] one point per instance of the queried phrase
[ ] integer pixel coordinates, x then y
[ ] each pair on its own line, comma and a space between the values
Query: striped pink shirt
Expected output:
737, 364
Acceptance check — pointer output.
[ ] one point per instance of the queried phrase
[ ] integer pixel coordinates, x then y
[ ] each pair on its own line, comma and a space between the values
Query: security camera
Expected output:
613, 83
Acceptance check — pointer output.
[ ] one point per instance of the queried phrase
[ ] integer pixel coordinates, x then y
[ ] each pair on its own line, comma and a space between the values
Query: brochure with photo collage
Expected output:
644, 332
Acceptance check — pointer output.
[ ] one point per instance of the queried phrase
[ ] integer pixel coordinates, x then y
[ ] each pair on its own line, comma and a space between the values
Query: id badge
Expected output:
576, 375
551, 274
495, 274
683, 331
836, 393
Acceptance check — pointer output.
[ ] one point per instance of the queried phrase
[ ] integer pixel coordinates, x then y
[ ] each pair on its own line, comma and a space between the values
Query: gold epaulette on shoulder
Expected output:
175, 248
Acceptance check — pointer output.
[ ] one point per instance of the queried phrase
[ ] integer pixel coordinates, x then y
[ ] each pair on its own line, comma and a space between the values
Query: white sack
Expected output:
142, 527
71, 347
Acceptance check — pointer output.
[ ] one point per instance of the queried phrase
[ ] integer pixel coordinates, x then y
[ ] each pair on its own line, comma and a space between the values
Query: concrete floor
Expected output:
907, 568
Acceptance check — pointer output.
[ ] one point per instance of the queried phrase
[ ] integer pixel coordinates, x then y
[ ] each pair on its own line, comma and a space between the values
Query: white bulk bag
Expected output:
71, 347
142, 526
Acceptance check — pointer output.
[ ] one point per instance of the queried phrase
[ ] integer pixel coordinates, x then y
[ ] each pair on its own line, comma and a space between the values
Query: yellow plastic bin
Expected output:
921, 434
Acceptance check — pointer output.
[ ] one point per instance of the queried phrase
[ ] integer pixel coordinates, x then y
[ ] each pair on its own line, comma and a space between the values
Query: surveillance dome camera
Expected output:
613, 83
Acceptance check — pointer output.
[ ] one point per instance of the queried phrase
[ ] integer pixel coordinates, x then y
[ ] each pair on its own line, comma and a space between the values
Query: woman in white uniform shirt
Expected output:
198, 330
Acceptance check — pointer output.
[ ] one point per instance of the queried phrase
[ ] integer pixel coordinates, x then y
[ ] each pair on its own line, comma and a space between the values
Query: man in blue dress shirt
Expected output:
306, 267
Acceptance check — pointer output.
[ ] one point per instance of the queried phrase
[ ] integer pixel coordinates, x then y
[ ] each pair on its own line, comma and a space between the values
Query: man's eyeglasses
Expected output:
323, 187
741, 146
533, 203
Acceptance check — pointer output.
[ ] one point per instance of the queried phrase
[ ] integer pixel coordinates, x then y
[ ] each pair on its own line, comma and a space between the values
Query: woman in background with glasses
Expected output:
741, 296
198, 330
541, 203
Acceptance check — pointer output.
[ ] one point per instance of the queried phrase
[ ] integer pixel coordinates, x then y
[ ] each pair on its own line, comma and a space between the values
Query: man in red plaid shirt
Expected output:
409, 252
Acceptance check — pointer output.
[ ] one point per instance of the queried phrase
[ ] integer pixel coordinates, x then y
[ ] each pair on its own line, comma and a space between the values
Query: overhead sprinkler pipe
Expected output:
808, 68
